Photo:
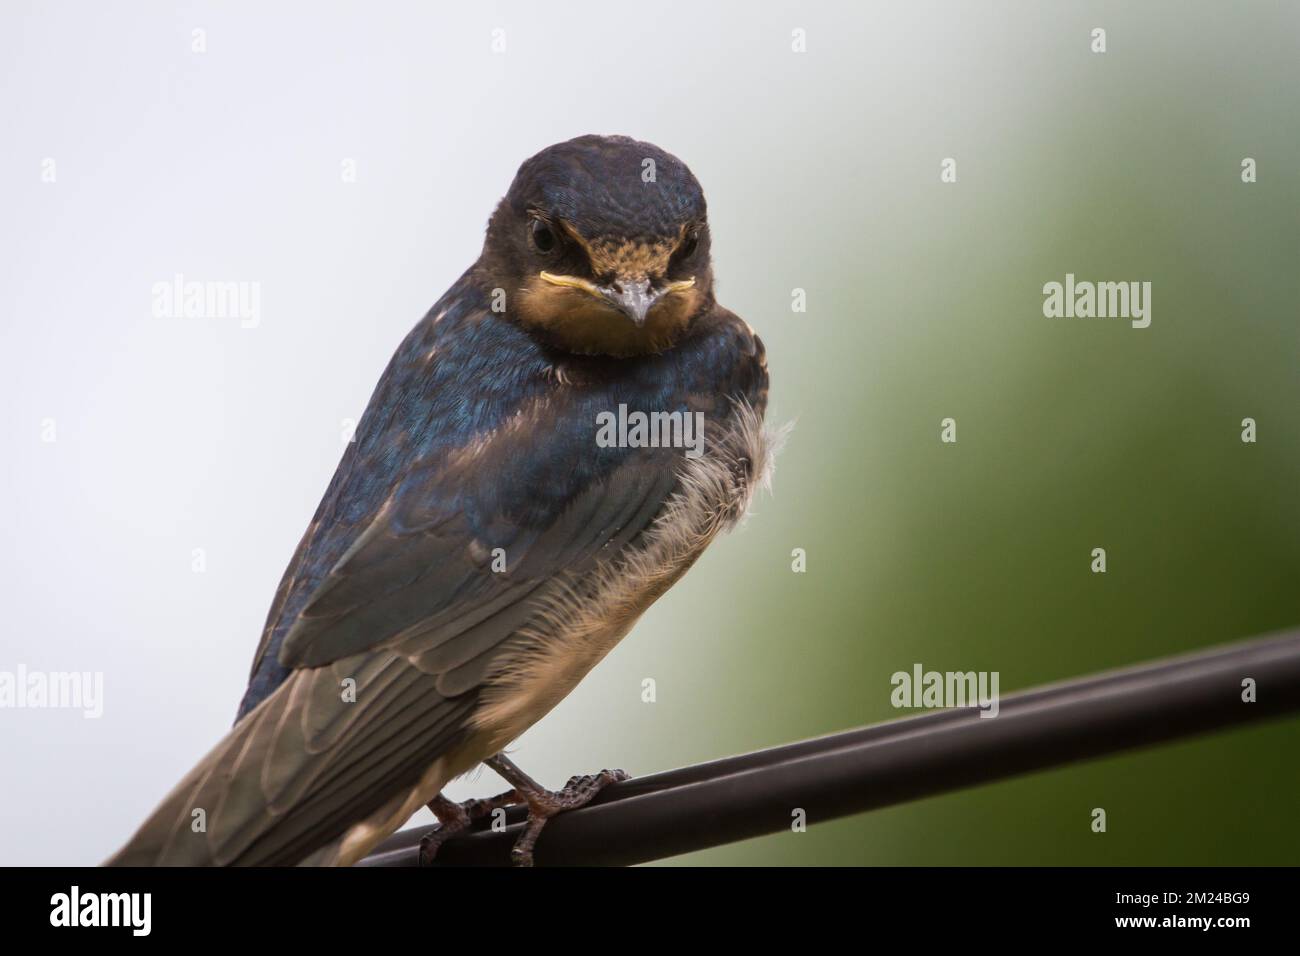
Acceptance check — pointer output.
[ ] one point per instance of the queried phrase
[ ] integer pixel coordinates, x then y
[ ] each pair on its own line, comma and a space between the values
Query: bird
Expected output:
480, 548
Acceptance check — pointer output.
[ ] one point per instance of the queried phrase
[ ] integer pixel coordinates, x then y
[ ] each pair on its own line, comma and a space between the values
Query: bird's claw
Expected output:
454, 818
545, 804
542, 804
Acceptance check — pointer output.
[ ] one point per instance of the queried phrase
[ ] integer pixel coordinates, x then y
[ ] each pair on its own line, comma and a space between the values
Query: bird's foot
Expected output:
544, 804
454, 818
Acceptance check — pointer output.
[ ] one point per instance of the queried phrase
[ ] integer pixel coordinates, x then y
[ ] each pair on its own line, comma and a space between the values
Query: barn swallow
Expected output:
478, 550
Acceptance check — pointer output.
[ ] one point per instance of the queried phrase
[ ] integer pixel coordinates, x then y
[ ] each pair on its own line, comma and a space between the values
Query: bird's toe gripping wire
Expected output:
454, 818
542, 805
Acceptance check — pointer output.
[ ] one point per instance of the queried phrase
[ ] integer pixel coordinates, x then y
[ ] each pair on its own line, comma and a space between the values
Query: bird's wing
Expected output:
339, 738
451, 561
382, 653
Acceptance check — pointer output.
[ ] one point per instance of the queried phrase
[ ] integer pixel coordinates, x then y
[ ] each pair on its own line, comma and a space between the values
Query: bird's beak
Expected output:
634, 297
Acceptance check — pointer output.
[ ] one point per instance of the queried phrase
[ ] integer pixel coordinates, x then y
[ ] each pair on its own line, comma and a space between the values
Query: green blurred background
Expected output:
924, 301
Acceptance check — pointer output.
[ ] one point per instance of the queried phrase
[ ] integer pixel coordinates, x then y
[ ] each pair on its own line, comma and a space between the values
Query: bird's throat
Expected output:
575, 321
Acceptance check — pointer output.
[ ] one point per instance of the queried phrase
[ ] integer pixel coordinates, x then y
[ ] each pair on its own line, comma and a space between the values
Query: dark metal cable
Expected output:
736, 798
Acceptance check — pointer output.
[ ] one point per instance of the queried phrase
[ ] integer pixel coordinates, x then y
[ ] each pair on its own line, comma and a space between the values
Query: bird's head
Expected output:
602, 247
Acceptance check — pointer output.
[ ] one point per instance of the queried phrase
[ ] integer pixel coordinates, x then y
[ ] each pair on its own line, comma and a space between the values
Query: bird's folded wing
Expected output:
386, 654
384, 660
445, 583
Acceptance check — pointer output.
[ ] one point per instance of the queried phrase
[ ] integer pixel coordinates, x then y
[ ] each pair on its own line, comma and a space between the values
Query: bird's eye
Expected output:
689, 245
543, 237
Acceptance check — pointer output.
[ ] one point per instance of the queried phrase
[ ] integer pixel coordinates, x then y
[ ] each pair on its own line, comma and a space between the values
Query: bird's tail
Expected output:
300, 771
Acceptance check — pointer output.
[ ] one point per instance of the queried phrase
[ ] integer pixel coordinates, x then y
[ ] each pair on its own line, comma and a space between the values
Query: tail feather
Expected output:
294, 774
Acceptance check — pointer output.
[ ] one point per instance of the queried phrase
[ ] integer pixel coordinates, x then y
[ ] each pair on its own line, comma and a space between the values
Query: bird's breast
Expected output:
579, 621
